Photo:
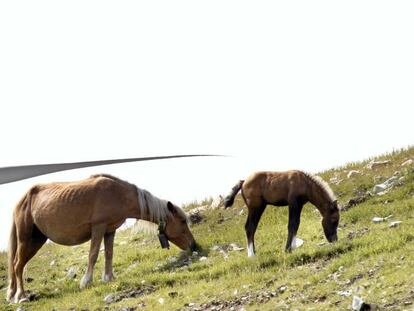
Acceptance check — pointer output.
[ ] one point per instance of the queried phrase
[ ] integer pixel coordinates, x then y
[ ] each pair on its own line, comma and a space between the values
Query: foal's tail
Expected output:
229, 200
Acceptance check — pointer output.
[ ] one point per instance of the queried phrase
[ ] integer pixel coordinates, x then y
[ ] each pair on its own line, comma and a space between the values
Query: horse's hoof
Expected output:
10, 297
24, 299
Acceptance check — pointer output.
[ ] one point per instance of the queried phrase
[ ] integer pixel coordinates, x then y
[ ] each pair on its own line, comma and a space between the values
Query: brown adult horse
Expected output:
71, 213
293, 188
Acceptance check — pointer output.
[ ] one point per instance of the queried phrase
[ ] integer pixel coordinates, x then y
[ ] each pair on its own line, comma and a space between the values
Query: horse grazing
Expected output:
292, 188
72, 213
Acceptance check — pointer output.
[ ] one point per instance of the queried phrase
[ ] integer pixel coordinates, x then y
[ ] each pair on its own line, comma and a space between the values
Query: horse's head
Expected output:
176, 230
330, 222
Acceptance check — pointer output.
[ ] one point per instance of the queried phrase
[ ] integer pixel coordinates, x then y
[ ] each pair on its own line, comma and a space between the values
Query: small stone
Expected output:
357, 303
216, 248
352, 173
71, 274
216, 202
296, 243
394, 224
408, 162
52, 263
235, 247
282, 289
204, 258
161, 301
20, 309
345, 293
375, 164
377, 219
109, 298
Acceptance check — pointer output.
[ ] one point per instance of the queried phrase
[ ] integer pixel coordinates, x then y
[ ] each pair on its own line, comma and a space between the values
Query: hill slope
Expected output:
370, 260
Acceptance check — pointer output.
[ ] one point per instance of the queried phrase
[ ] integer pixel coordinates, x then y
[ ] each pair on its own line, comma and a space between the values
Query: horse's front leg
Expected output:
109, 247
97, 235
295, 208
251, 226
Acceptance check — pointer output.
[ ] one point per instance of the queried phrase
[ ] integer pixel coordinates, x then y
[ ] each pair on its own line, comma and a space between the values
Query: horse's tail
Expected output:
229, 200
13, 236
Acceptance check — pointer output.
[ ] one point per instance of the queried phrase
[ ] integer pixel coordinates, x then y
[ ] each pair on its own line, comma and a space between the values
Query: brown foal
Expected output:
293, 188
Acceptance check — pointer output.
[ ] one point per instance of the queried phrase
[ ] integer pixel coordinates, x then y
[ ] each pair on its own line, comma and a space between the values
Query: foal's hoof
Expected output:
107, 278
85, 282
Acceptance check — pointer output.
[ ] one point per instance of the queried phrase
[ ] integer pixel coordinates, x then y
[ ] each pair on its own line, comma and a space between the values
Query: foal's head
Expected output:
330, 222
177, 230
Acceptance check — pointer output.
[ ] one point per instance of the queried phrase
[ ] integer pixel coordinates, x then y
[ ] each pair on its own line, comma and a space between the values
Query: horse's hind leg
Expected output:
26, 249
109, 247
251, 225
295, 209
97, 235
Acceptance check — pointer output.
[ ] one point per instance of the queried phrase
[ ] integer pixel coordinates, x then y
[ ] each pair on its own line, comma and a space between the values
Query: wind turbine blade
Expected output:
14, 173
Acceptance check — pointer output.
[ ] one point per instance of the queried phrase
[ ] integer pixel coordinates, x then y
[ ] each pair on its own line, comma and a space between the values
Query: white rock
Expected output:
235, 247
357, 303
161, 301
71, 273
352, 173
204, 258
345, 293
373, 164
52, 263
296, 243
377, 219
216, 202
385, 185
394, 224
408, 162
109, 298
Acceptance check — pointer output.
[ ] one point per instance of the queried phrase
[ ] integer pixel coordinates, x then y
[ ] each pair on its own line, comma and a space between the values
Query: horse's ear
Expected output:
171, 207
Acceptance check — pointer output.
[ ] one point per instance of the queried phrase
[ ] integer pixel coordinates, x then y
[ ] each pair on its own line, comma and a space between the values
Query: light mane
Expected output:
156, 209
323, 185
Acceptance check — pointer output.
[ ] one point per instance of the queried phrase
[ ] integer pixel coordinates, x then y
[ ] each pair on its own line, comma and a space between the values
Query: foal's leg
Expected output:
97, 235
251, 226
295, 208
109, 247
26, 249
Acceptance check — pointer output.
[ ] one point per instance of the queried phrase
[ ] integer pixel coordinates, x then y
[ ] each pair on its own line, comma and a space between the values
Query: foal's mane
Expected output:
322, 186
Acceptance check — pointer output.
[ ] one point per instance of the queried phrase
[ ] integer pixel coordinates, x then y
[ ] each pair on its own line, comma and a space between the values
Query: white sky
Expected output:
277, 85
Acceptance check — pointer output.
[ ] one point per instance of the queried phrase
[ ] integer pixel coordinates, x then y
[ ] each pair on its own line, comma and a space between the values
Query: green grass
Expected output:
371, 260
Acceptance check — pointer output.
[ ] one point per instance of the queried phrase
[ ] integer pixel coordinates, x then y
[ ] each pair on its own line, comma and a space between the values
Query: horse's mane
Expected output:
322, 185
156, 209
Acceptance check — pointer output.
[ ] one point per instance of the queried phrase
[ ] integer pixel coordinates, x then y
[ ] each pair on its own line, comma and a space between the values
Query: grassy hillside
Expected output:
370, 260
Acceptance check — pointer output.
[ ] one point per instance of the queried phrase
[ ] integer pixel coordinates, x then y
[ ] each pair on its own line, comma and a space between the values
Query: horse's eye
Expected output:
183, 222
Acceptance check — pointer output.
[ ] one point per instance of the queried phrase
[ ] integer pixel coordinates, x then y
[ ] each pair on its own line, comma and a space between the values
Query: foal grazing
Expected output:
72, 213
292, 188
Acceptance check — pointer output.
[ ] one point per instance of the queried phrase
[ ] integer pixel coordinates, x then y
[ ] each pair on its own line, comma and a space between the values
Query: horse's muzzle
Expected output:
194, 246
333, 238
